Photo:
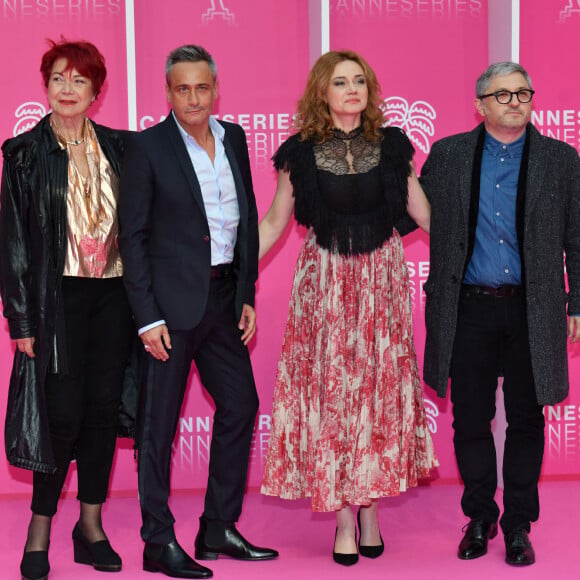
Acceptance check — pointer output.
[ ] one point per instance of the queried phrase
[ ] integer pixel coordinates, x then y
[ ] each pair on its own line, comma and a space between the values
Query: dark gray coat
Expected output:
550, 227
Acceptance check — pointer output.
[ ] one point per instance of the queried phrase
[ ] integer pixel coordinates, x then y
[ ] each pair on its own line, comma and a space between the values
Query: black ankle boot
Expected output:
34, 565
99, 555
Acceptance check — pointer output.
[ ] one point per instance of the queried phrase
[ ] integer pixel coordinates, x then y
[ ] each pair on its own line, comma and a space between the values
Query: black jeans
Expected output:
492, 339
83, 404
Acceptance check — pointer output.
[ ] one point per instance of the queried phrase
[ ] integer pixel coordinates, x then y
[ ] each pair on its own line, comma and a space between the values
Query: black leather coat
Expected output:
33, 241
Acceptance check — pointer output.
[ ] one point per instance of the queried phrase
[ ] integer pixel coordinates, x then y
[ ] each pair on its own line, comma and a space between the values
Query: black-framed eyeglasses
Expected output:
505, 97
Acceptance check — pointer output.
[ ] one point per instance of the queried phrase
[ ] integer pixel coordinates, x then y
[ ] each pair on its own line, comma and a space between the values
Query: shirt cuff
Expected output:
150, 326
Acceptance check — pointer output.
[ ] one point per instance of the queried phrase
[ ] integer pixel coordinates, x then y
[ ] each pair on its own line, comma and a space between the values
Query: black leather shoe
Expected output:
172, 560
344, 559
215, 538
99, 554
518, 548
474, 542
34, 565
368, 551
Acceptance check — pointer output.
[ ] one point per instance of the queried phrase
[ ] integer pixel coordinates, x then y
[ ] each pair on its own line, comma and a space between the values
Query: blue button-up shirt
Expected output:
496, 258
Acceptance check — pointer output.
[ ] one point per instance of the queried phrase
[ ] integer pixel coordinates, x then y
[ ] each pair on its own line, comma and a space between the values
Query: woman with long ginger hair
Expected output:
348, 420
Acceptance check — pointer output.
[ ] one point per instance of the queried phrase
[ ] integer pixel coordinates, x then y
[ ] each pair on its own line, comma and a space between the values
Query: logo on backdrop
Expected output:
192, 446
571, 8
219, 12
21, 9
416, 119
265, 132
431, 414
408, 8
562, 124
418, 274
27, 115
562, 431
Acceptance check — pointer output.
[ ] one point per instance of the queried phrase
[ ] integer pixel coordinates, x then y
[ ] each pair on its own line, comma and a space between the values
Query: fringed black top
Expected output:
350, 191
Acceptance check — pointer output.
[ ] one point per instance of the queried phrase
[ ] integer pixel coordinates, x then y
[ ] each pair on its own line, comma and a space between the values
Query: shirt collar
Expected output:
494, 147
217, 129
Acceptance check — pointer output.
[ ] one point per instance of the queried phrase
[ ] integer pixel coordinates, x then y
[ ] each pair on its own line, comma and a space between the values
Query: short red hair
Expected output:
82, 55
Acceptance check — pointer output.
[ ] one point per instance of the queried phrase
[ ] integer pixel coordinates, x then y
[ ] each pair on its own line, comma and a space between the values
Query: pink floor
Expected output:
421, 530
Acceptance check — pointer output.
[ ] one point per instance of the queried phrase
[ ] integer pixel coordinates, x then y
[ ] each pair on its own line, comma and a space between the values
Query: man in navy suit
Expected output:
189, 243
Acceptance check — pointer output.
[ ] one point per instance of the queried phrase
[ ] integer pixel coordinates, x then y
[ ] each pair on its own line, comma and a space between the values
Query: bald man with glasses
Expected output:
505, 209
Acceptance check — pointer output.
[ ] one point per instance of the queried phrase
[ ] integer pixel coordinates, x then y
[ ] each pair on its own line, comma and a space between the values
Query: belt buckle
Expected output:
501, 292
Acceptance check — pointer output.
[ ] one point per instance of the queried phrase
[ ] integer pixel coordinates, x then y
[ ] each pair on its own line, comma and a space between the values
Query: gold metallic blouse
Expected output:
92, 214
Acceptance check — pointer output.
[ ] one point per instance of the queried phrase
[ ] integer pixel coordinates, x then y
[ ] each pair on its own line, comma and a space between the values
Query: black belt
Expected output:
220, 271
506, 291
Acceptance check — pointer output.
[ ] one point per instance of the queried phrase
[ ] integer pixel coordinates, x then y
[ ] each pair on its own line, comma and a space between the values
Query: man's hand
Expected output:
247, 323
574, 328
25, 345
157, 342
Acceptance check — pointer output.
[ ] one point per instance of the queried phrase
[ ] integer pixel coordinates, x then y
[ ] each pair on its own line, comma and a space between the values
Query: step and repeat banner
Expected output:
427, 55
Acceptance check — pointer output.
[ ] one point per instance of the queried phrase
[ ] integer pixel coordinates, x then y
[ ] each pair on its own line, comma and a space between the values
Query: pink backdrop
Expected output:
427, 55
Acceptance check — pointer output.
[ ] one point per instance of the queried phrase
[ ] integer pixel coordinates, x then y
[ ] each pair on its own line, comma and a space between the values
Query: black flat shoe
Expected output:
99, 555
34, 565
344, 559
474, 542
216, 538
518, 548
172, 560
368, 551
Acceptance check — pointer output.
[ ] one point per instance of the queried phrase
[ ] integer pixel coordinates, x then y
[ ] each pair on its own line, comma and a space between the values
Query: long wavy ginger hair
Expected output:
313, 119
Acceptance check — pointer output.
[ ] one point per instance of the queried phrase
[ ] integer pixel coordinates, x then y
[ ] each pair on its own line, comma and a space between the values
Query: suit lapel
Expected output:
238, 180
184, 162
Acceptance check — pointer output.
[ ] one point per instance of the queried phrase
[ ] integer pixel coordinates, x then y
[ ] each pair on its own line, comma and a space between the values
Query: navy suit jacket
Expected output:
164, 236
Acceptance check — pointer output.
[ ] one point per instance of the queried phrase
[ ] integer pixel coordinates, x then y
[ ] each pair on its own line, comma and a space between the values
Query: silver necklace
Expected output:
74, 141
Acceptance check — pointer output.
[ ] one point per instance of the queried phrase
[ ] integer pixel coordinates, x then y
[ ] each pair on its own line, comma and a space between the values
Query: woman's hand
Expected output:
25, 345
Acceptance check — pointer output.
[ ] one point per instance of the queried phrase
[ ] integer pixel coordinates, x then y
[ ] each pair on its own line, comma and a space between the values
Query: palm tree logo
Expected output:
28, 114
572, 7
214, 12
431, 414
415, 119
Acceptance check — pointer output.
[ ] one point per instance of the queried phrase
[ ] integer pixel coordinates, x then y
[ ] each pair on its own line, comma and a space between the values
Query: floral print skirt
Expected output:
348, 419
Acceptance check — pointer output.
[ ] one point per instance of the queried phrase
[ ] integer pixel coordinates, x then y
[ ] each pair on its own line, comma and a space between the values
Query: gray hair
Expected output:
499, 69
190, 53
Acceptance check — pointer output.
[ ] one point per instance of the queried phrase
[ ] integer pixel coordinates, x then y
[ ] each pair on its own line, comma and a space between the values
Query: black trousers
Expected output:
83, 404
492, 339
224, 366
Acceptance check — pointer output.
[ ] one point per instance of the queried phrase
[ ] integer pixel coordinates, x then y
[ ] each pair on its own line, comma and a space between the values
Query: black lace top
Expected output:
350, 191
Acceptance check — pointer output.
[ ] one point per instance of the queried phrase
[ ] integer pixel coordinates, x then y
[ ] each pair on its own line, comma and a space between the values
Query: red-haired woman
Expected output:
348, 421
62, 293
